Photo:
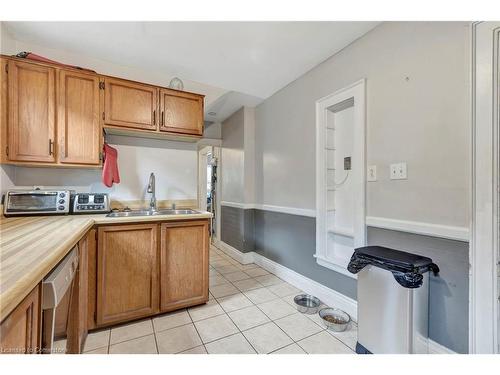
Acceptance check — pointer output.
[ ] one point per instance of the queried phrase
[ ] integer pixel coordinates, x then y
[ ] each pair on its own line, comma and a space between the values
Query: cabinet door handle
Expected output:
154, 117
162, 118
51, 147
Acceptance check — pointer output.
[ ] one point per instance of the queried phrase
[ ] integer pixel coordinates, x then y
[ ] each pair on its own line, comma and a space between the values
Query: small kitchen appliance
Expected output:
87, 203
36, 202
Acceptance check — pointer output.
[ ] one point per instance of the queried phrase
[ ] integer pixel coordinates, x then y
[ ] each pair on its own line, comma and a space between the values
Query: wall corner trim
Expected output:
426, 229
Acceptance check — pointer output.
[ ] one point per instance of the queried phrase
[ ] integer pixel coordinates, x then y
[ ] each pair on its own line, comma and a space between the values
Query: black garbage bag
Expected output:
407, 268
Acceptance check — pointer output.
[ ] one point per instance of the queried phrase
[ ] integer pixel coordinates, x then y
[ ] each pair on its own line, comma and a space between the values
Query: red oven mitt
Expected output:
110, 173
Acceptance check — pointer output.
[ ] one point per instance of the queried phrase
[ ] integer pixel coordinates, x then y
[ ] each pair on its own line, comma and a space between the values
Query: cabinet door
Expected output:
78, 119
127, 272
183, 264
20, 331
131, 105
181, 112
32, 114
3, 110
91, 278
77, 319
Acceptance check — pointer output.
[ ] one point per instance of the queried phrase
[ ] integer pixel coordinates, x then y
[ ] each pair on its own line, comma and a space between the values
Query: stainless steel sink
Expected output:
151, 213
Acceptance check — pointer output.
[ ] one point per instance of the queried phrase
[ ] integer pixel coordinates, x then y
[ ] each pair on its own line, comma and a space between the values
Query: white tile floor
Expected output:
250, 311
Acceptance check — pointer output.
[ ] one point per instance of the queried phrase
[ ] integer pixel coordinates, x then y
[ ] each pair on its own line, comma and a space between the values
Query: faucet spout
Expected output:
152, 190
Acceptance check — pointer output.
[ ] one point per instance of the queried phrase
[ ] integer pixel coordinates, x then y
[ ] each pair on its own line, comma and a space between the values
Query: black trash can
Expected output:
393, 299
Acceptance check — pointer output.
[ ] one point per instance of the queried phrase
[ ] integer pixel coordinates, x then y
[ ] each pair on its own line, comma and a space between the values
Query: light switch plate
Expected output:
371, 174
398, 171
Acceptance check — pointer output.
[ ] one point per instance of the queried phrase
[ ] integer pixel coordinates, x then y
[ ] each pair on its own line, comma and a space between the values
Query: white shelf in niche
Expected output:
340, 198
342, 232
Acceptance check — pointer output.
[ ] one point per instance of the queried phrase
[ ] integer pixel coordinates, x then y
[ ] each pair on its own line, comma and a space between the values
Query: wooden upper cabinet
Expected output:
20, 331
183, 264
127, 272
31, 112
181, 112
131, 105
79, 131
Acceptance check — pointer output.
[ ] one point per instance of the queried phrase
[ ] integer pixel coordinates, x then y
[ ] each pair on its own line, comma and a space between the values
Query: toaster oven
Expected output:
36, 202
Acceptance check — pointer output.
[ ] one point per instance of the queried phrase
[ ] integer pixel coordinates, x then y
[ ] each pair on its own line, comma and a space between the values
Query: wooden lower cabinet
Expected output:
139, 270
127, 272
20, 331
183, 264
91, 278
77, 317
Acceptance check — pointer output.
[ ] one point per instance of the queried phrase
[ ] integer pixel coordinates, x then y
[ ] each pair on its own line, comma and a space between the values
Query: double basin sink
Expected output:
151, 212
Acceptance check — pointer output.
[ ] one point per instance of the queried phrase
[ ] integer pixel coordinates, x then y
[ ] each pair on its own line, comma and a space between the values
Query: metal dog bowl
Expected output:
307, 304
335, 319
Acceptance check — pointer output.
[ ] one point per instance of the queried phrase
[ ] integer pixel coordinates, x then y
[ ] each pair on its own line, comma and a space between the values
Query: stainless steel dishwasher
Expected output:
54, 287
393, 300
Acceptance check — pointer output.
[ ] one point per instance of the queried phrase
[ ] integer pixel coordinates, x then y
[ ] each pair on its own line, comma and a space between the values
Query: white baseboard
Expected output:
329, 296
435, 348
243, 258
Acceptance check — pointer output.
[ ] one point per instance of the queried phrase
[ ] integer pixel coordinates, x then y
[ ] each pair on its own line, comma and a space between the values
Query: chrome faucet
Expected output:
152, 189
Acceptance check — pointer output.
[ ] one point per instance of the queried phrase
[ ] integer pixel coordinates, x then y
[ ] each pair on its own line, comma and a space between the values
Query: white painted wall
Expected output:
232, 155
213, 131
7, 43
238, 157
174, 164
249, 154
423, 120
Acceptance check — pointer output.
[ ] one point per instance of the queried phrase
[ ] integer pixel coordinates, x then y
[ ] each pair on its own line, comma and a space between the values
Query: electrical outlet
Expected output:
371, 174
398, 171
347, 163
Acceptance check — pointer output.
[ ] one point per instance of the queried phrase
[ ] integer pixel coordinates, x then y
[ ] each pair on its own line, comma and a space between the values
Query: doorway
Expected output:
209, 186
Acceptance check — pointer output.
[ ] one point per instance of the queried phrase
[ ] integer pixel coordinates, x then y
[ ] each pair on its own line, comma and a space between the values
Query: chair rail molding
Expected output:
417, 227
485, 184
267, 207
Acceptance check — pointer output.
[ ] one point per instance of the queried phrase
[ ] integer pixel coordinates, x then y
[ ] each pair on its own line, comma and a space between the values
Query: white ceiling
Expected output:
253, 58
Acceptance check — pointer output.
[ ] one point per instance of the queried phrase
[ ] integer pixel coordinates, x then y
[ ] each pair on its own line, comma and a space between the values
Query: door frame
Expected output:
202, 176
215, 149
485, 185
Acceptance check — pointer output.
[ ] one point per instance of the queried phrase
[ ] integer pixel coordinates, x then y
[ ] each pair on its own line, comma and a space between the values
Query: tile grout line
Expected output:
196, 329
241, 332
109, 341
156, 340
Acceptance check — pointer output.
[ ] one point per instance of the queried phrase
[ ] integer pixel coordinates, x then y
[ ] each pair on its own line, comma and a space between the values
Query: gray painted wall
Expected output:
290, 240
237, 228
